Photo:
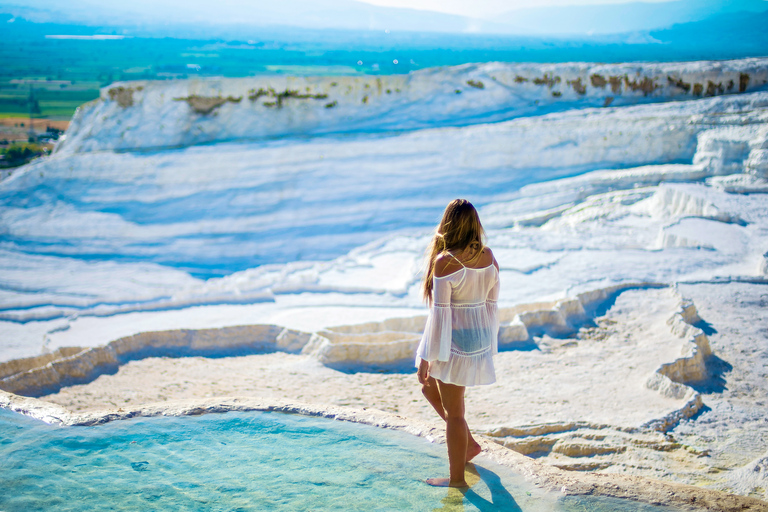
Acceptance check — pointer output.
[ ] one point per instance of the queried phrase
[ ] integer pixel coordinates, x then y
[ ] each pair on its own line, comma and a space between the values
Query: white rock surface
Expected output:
216, 209
186, 112
314, 232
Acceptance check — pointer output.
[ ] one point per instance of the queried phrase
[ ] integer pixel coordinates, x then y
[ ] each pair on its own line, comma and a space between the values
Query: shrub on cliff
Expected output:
20, 153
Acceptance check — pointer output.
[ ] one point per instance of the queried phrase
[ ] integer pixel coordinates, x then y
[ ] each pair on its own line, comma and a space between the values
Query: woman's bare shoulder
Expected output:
445, 265
490, 257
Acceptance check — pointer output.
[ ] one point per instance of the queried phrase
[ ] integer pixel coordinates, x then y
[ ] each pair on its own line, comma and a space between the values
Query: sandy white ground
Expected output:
563, 380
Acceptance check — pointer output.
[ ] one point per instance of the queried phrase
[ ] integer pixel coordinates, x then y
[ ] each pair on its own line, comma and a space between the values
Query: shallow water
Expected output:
248, 461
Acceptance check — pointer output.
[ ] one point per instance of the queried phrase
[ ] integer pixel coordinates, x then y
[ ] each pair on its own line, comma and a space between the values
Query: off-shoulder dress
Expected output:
461, 335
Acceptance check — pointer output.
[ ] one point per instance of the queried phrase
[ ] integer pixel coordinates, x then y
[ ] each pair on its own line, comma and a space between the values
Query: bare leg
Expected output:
432, 394
473, 447
456, 435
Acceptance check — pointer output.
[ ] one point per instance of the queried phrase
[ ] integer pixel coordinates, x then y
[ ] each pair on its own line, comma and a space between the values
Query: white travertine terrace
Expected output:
375, 343
630, 144
647, 201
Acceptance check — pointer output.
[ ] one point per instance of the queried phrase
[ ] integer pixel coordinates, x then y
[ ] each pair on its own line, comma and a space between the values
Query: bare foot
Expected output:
445, 482
473, 451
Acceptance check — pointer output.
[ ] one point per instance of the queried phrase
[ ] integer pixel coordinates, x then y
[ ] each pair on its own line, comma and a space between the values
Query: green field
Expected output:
57, 100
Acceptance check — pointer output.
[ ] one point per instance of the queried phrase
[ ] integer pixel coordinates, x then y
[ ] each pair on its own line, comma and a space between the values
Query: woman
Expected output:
461, 285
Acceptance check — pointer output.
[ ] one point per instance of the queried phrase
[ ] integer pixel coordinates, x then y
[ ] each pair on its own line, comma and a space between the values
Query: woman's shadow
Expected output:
501, 499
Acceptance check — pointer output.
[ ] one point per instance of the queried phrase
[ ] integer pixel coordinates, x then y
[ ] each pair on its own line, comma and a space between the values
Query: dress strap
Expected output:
457, 259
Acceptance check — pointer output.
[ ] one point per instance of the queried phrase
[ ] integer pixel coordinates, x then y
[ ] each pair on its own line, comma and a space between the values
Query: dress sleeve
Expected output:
436, 342
493, 315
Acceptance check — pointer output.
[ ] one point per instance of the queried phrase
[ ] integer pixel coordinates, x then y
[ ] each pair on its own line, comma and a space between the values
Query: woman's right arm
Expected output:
423, 371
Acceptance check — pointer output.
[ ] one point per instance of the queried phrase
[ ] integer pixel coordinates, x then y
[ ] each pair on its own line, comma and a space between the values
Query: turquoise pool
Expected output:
247, 461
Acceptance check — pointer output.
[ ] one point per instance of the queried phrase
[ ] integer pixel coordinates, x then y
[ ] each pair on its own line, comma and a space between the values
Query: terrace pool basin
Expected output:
250, 461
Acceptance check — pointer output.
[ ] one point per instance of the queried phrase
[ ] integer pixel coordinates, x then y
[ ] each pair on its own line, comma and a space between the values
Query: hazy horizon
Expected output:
522, 17
486, 8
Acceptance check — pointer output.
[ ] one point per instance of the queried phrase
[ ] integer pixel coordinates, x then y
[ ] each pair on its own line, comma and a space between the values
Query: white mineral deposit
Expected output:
628, 213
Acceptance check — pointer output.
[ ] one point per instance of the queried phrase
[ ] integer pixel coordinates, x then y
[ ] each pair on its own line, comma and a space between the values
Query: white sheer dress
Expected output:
461, 335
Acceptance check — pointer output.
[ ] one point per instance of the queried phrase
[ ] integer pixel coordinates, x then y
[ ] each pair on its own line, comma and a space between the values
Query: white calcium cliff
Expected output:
141, 115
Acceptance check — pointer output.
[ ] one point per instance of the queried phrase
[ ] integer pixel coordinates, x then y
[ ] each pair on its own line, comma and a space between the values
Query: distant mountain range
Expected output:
165, 16
620, 18
747, 31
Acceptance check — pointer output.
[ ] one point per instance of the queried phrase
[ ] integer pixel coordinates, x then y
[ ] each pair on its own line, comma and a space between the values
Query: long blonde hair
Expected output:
459, 229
